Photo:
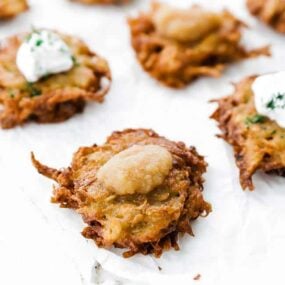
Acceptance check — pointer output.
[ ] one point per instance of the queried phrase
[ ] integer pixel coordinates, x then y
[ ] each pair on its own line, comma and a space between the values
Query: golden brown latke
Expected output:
176, 46
131, 214
271, 12
56, 97
104, 2
11, 8
258, 142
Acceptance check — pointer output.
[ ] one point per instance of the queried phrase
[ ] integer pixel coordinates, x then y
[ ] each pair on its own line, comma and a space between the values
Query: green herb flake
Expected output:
11, 94
47, 76
280, 96
274, 102
33, 90
34, 31
270, 105
39, 42
256, 119
74, 60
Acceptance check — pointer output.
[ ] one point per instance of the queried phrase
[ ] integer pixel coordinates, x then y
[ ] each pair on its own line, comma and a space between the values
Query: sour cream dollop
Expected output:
42, 53
269, 96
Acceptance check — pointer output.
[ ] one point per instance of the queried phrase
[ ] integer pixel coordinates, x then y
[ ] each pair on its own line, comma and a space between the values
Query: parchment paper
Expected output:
243, 239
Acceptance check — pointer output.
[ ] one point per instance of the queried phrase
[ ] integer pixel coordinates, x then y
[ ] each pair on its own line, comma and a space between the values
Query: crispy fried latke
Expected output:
54, 98
271, 12
176, 46
136, 191
103, 2
258, 142
11, 8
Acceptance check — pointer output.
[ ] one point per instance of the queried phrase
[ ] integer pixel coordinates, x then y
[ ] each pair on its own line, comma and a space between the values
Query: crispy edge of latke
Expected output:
268, 14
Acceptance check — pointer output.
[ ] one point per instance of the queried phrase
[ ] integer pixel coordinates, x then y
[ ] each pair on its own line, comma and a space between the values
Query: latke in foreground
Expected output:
137, 191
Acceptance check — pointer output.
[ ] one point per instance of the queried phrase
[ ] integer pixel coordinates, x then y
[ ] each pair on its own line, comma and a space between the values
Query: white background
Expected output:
241, 242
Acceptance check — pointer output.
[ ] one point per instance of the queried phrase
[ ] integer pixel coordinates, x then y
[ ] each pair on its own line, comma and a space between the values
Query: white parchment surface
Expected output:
243, 239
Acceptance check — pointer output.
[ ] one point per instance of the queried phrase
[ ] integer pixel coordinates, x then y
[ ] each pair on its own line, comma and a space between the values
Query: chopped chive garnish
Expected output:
39, 42
276, 101
74, 60
256, 119
11, 94
33, 90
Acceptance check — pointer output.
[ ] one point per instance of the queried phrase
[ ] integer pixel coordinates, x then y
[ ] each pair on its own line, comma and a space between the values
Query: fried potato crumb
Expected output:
197, 277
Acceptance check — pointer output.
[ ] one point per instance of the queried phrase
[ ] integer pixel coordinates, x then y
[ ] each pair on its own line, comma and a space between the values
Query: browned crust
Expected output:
73, 192
271, 12
11, 8
177, 64
62, 95
103, 2
259, 146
